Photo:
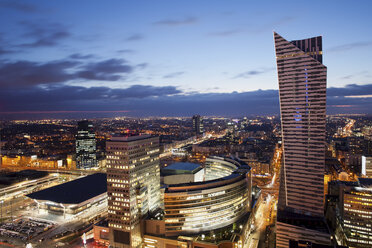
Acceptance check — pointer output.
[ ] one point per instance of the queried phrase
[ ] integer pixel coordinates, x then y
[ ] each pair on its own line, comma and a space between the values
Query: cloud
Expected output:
364, 73
177, 22
43, 34
79, 56
107, 70
125, 51
143, 91
67, 97
147, 100
19, 6
350, 46
174, 74
5, 51
225, 33
142, 65
28, 73
283, 20
251, 73
350, 90
347, 76
135, 37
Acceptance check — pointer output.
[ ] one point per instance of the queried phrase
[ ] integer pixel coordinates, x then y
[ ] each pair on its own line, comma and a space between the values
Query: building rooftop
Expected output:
74, 192
182, 167
130, 138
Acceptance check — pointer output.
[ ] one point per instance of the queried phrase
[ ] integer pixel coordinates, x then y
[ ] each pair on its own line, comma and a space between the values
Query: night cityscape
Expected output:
185, 124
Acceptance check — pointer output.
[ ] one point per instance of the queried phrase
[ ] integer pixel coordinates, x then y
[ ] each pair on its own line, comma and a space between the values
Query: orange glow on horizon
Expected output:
66, 111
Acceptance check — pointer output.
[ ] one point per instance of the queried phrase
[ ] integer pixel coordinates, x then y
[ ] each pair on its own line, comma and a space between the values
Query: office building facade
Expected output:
351, 216
367, 166
197, 124
302, 91
223, 199
85, 145
133, 187
357, 214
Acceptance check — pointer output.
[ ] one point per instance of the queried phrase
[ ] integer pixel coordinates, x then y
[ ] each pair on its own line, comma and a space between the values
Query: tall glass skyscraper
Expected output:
302, 90
85, 145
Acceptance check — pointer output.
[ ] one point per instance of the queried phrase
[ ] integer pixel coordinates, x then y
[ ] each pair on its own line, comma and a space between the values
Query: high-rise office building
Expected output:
133, 186
302, 90
197, 124
351, 216
85, 145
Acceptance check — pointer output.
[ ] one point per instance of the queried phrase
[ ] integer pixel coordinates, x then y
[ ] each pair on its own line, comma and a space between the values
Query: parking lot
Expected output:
24, 228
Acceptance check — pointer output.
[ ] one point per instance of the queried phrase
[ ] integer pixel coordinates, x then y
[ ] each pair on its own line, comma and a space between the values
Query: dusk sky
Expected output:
173, 58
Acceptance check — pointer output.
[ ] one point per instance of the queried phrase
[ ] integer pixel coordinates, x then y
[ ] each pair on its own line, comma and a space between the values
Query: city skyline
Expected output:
169, 59
165, 124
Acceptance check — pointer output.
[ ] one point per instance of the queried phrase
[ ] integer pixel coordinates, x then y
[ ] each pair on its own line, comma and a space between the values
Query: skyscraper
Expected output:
197, 124
85, 145
133, 186
302, 90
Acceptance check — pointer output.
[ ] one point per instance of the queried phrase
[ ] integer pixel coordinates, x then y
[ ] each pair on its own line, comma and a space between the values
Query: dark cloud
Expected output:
364, 73
19, 6
225, 33
146, 100
28, 73
350, 46
347, 77
79, 56
62, 97
125, 51
251, 73
43, 34
107, 70
281, 21
135, 37
174, 74
177, 22
142, 65
350, 90
5, 51
143, 91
